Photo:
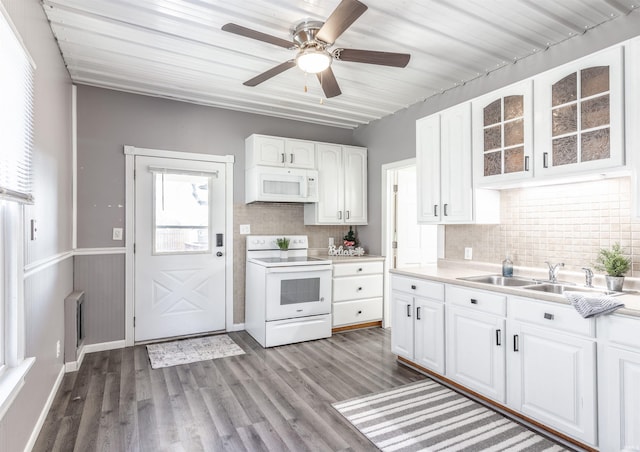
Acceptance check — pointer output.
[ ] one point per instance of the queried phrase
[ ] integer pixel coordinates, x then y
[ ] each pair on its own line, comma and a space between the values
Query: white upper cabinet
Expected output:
579, 116
444, 174
503, 135
342, 186
277, 151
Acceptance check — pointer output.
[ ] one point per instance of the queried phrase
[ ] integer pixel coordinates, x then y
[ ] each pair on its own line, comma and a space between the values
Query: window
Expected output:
16, 142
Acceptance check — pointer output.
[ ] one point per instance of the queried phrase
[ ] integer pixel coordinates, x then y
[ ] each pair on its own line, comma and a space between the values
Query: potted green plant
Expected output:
615, 264
283, 244
349, 240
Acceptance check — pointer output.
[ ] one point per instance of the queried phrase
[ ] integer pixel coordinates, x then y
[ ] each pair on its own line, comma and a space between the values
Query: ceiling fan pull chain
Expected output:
305, 82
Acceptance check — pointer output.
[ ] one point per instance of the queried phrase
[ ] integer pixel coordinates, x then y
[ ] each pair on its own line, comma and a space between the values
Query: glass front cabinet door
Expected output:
502, 135
579, 115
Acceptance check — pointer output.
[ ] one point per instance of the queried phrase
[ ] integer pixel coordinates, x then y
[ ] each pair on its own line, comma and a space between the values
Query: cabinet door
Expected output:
428, 169
330, 206
456, 185
300, 154
579, 115
355, 184
552, 379
503, 136
475, 351
620, 399
402, 324
268, 151
429, 334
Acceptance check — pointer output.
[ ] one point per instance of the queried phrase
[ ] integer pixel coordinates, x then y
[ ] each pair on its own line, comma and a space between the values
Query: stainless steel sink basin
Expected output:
562, 288
497, 280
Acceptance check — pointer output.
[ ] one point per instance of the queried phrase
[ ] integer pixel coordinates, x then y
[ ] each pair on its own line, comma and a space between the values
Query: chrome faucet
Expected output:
553, 271
588, 277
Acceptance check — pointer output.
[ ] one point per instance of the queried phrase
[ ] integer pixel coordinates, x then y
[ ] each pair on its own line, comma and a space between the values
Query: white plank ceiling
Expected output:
176, 49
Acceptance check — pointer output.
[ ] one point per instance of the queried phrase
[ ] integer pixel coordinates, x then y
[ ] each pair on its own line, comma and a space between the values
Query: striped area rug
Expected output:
430, 417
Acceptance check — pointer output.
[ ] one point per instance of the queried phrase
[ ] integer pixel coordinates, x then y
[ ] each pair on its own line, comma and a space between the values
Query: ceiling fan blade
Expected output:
329, 83
340, 19
270, 73
372, 57
249, 33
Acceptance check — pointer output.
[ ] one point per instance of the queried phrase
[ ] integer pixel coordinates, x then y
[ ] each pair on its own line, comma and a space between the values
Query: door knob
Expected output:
219, 253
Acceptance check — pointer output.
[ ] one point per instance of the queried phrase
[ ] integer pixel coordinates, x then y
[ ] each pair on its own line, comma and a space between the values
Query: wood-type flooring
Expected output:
275, 399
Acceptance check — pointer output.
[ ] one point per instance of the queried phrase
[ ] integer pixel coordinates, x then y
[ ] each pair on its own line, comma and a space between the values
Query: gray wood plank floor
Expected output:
276, 399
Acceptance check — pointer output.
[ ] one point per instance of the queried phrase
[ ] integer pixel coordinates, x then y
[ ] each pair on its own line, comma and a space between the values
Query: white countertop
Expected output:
449, 272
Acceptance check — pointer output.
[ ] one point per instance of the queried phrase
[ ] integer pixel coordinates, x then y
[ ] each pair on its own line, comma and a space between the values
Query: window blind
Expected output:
16, 115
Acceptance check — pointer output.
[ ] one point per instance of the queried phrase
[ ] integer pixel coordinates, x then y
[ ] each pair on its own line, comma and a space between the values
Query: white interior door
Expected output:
179, 247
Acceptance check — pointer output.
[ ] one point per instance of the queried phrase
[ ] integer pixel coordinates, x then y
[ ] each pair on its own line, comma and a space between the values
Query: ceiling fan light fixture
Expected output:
313, 60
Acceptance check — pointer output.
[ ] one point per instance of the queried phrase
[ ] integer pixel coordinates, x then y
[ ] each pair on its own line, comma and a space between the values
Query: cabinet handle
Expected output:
435, 210
339, 214
545, 160
526, 163
360, 269
347, 214
474, 301
408, 310
445, 210
413, 286
282, 160
291, 158
360, 312
498, 337
359, 289
516, 343
418, 313
548, 316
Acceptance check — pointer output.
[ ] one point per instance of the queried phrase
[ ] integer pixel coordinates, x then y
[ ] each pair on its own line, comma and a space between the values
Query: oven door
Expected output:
298, 291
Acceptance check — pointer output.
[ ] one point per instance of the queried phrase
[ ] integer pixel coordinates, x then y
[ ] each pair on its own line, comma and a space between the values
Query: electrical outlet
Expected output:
245, 229
117, 233
58, 349
468, 253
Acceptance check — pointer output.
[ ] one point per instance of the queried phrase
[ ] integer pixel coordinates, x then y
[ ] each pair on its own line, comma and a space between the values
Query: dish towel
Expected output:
591, 305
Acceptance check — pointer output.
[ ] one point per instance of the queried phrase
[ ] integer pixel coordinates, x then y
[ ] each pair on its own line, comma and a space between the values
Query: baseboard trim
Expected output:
103, 346
75, 365
358, 326
236, 327
45, 411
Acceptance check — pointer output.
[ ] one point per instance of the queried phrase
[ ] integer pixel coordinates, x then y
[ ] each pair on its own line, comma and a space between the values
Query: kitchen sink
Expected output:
562, 288
497, 280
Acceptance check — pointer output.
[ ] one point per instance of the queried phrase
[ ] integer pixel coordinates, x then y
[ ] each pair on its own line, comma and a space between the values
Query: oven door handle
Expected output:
300, 269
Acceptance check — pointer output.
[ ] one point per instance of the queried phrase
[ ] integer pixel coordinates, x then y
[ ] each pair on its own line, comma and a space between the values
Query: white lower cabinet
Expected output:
551, 366
475, 341
417, 322
619, 383
357, 292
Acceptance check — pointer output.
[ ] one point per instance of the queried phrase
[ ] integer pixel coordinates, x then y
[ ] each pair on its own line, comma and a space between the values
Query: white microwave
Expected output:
273, 184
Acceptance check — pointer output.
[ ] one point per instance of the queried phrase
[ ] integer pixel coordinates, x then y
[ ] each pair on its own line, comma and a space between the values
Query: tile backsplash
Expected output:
560, 223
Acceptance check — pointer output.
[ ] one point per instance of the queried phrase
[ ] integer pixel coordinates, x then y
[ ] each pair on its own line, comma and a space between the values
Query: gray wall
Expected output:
393, 138
108, 120
45, 290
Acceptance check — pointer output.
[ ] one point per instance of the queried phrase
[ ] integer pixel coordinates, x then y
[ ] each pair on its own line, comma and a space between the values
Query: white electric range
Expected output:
287, 300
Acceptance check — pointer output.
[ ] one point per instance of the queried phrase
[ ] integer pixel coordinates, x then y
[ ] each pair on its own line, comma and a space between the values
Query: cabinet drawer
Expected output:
550, 315
357, 268
359, 311
357, 287
620, 330
418, 287
491, 303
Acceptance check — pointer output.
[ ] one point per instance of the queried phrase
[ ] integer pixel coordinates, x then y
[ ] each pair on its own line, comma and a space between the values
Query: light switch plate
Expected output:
245, 229
468, 253
117, 233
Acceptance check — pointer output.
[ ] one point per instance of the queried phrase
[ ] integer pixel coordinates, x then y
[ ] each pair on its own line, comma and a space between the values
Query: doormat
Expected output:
428, 416
187, 351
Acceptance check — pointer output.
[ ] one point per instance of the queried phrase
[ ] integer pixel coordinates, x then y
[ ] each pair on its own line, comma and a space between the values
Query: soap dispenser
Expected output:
507, 267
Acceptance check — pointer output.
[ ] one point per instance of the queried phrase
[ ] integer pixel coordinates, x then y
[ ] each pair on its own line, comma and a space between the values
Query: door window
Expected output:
181, 213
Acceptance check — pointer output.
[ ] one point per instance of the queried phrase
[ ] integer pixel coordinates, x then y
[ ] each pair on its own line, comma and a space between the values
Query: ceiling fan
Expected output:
313, 41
